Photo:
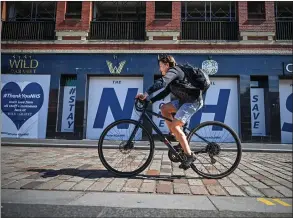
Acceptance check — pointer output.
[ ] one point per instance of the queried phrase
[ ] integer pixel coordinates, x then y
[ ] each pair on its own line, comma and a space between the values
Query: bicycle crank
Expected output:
174, 158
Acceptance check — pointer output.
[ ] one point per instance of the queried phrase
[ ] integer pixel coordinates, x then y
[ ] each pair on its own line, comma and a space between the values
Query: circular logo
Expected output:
210, 66
289, 68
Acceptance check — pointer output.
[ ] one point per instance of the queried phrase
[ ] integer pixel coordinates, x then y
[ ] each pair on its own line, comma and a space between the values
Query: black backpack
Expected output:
196, 77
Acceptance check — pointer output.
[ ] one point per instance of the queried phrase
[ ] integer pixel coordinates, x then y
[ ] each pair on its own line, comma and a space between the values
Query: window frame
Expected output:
207, 12
166, 15
256, 15
73, 15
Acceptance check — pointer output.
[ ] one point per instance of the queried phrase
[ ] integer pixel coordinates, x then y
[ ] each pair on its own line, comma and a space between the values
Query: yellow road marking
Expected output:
281, 202
267, 202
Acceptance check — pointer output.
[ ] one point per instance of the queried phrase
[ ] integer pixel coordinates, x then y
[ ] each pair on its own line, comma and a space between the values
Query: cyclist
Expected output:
188, 102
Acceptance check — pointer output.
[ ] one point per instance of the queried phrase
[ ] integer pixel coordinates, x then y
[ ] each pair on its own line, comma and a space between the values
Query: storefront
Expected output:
75, 96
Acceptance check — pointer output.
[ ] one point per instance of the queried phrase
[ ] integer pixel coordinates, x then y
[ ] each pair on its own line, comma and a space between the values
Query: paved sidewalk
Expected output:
249, 147
37, 203
76, 169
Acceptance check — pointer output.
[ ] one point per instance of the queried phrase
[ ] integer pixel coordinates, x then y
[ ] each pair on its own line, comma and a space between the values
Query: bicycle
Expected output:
142, 161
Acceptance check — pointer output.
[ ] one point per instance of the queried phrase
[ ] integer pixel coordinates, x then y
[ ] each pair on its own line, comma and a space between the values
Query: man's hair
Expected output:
167, 59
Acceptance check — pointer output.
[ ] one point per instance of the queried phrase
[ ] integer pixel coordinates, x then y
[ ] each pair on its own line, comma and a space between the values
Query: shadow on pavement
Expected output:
94, 174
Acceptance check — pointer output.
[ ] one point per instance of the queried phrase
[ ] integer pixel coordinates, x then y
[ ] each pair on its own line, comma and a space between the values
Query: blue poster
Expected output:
24, 105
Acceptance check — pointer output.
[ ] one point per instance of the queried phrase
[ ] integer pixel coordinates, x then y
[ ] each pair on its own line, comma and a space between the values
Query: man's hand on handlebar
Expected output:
141, 101
141, 96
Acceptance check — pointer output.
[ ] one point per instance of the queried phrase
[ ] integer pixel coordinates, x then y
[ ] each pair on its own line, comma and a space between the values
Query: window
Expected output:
256, 10
46, 10
31, 11
73, 10
119, 11
284, 10
208, 10
163, 10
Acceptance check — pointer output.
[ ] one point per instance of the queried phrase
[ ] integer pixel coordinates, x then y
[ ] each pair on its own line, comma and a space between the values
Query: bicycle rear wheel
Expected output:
119, 156
217, 148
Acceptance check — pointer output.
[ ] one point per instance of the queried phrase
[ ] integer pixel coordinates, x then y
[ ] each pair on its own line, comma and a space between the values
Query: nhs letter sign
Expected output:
221, 104
286, 110
111, 99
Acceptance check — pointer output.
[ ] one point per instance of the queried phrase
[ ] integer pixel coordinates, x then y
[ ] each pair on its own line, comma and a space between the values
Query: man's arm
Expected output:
162, 83
161, 95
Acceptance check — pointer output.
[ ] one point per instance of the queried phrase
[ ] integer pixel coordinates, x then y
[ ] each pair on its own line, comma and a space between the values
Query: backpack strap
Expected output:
178, 68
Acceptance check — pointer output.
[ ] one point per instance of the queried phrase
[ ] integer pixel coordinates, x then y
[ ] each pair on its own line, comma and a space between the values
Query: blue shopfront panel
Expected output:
138, 63
224, 100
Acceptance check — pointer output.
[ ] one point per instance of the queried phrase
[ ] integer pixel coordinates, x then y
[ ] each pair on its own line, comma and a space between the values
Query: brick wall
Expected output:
3, 10
71, 24
171, 24
267, 25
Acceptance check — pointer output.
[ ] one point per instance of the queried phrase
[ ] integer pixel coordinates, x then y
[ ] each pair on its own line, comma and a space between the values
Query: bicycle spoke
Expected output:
129, 157
217, 158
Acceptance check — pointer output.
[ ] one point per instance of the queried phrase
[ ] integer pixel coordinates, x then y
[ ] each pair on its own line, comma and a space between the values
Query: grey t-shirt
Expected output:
174, 82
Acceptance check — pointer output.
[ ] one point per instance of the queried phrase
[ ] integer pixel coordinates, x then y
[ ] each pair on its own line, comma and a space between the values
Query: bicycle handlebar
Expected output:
140, 105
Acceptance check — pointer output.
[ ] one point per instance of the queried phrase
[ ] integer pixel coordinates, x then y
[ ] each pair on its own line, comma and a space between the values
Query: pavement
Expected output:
12, 210
247, 147
36, 203
36, 178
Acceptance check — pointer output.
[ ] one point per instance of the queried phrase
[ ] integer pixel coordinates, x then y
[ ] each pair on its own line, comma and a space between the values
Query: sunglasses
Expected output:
163, 58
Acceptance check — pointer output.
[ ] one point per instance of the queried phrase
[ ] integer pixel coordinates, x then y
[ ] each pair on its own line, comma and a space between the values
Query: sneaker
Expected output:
187, 161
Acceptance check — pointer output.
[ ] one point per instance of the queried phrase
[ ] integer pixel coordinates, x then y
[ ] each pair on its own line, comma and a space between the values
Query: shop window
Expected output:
66, 103
256, 10
73, 10
163, 10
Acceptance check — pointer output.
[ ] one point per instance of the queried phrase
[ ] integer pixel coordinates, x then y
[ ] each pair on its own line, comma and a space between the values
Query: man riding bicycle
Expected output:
188, 102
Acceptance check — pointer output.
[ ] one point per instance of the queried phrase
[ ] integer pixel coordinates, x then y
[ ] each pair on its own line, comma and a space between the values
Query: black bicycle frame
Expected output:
163, 138
165, 118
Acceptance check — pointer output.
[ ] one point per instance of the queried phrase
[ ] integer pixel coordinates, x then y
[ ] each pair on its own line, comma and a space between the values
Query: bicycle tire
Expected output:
239, 150
105, 163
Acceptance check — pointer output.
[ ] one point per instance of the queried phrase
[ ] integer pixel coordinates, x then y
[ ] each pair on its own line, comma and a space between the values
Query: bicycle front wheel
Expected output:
217, 148
121, 156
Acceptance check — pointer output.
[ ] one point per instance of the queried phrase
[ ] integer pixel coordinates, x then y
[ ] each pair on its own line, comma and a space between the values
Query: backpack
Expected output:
196, 77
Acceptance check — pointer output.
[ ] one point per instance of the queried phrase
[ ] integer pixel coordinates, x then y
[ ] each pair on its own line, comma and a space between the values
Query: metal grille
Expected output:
117, 30
284, 20
284, 30
209, 30
28, 30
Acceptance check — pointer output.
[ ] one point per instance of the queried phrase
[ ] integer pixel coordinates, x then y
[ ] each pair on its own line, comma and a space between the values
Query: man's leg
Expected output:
180, 136
167, 110
182, 116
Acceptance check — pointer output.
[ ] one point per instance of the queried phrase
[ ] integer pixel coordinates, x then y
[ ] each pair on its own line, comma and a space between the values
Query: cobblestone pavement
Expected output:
258, 174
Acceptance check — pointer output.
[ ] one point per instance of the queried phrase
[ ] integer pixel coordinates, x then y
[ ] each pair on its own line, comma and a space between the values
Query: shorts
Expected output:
186, 110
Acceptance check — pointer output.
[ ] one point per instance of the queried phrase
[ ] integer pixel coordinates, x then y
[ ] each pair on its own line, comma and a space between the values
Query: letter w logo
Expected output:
115, 70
